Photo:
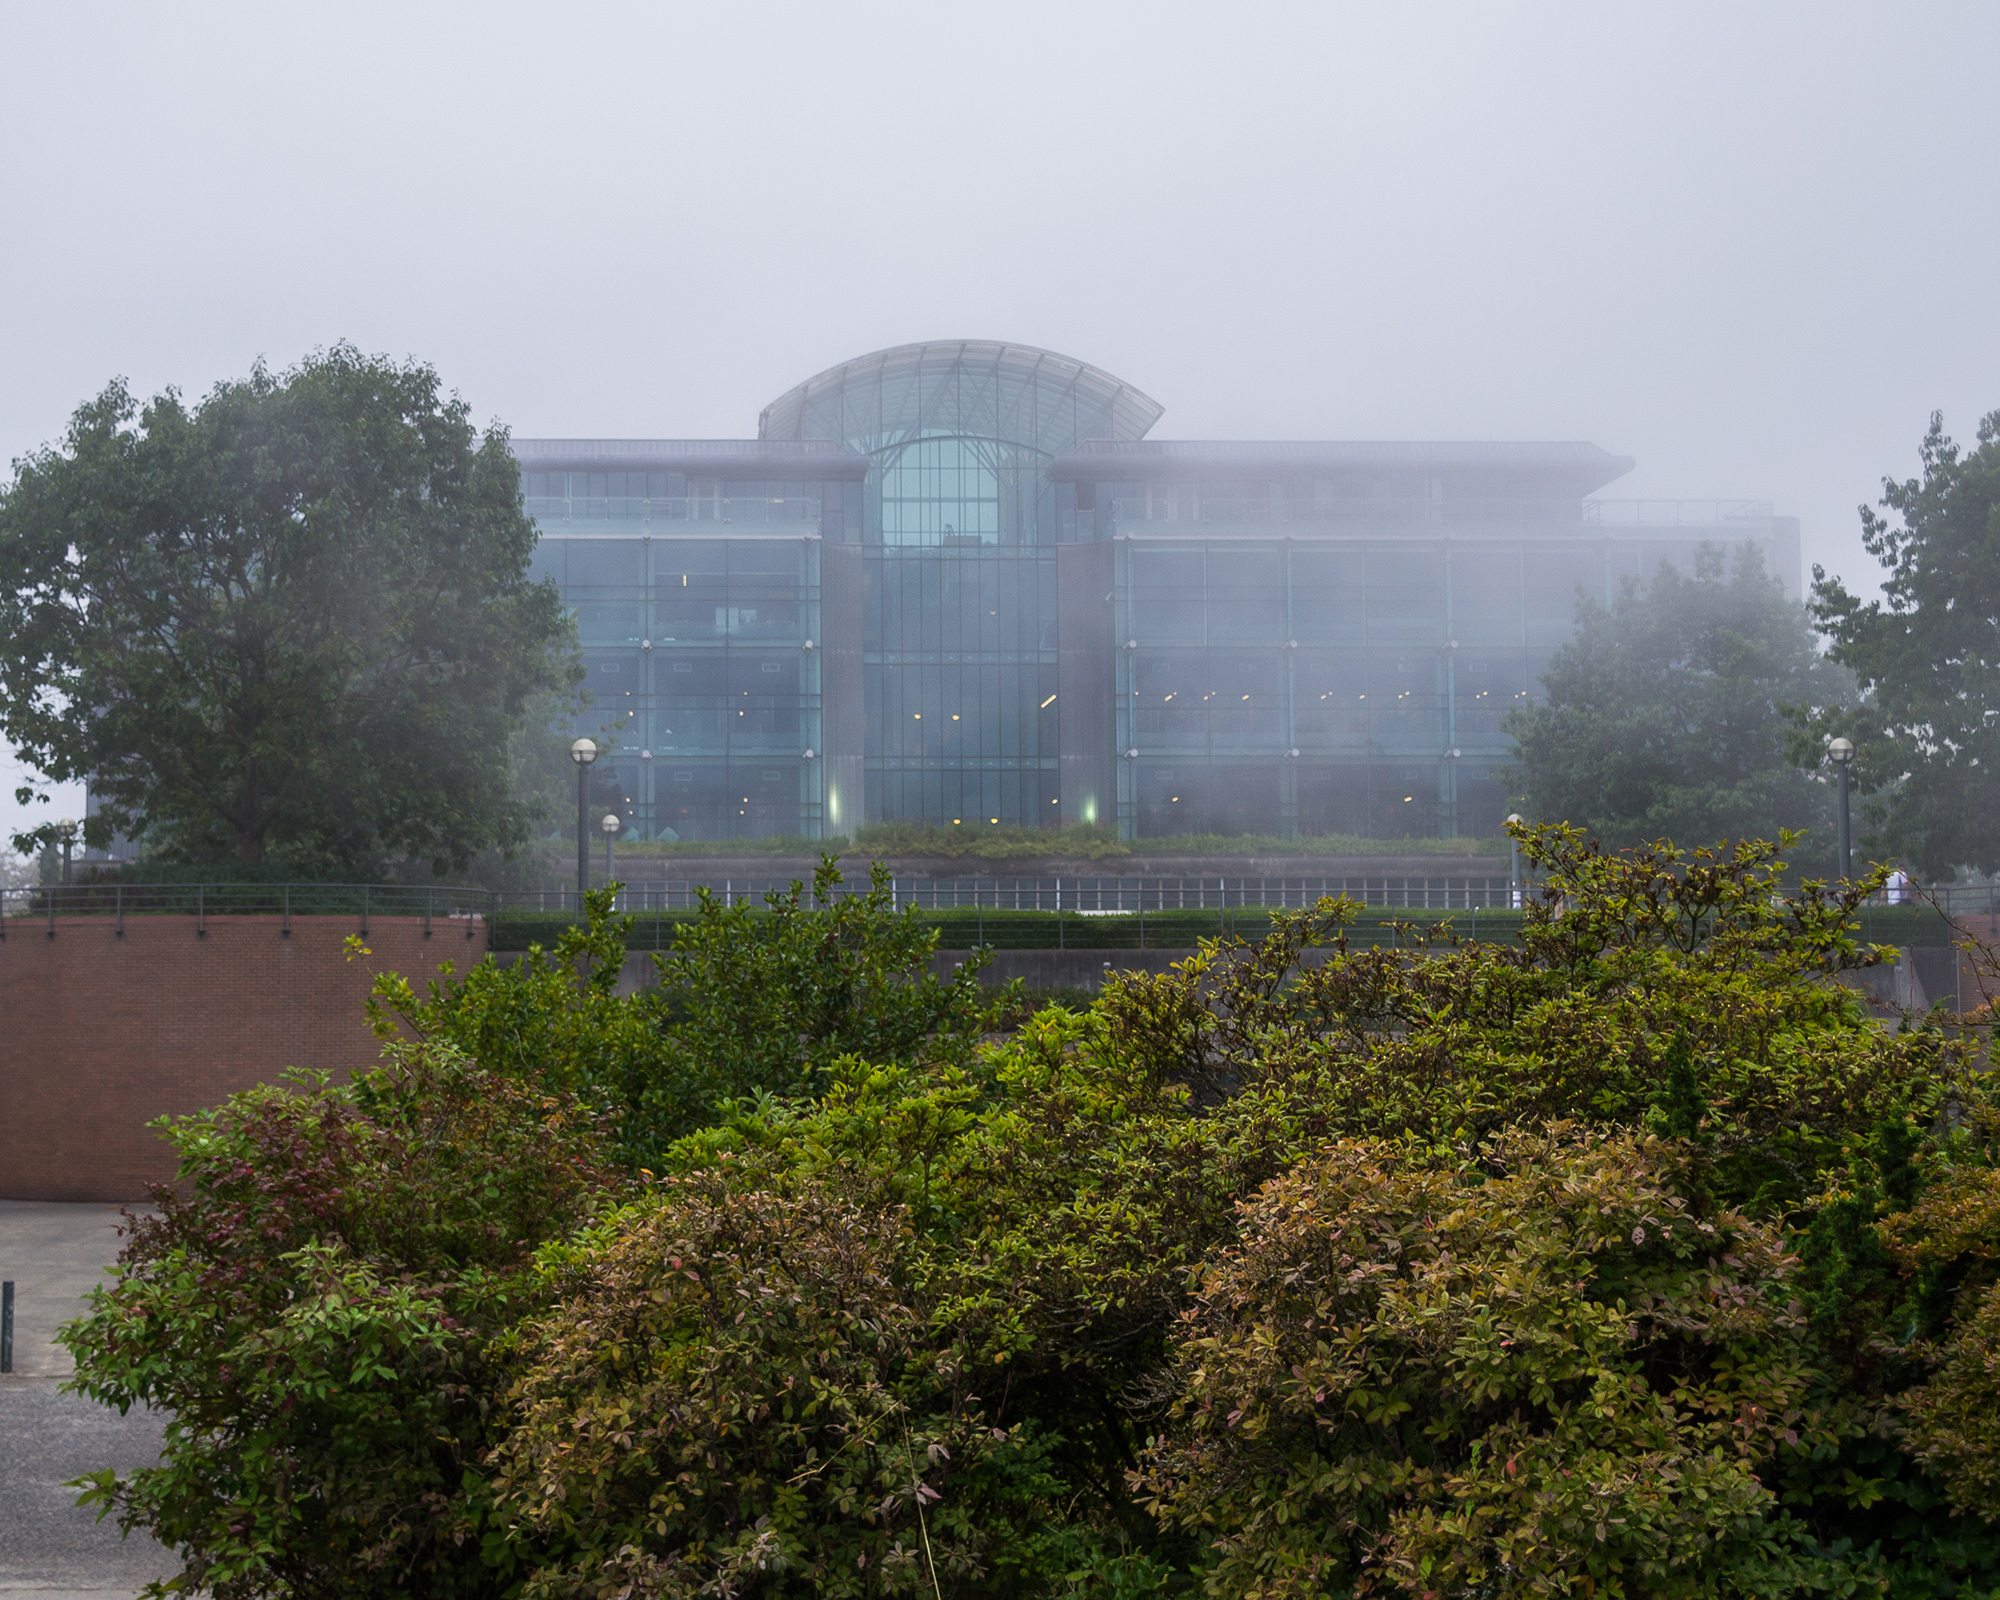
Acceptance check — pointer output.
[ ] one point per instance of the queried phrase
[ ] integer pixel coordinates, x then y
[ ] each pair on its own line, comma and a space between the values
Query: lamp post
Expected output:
610, 827
1842, 752
1514, 863
583, 752
66, 831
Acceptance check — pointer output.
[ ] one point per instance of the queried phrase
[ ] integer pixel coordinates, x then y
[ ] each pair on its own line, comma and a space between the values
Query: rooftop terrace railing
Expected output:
1198, 510
551, 511
1674, 513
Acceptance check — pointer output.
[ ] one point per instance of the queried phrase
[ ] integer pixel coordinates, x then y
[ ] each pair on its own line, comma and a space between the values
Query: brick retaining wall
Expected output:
100, 1034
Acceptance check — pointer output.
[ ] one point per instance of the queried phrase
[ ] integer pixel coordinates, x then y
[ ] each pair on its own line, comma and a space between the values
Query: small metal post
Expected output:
7, 1326
1846, 826
201, 911
582, 830
51, 896
429, 896
118, 909
364, 911
288, 913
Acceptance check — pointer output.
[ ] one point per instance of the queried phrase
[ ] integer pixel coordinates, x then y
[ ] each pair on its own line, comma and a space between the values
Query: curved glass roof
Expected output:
964, 388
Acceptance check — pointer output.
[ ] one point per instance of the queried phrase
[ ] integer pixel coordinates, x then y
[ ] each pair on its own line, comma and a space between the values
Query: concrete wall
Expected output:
100, 1034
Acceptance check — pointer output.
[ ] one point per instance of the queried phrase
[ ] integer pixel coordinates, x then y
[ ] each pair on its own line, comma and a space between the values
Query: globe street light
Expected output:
583, 752
1842, 752
610, 827
66, 831
1514, 863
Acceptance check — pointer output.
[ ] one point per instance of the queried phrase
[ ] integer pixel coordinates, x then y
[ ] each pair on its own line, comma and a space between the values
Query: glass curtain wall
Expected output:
1294, 686
959, 598
702, 679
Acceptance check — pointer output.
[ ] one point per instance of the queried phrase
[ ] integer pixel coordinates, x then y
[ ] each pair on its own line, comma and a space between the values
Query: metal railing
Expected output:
554, 509
1197, 509
442, 907
471, 914
1674, 513
1085, 895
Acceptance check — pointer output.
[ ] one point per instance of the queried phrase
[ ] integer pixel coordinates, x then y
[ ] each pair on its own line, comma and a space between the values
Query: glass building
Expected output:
955, 583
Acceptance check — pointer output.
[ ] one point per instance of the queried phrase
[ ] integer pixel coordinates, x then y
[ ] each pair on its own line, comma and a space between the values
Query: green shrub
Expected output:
735, 1393
1545, 1358
751, 1001
1315, 1265
316, 1310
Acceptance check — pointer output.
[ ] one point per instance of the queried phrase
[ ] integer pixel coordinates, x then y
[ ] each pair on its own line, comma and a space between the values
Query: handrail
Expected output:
1194, 509
572, 509
123, 902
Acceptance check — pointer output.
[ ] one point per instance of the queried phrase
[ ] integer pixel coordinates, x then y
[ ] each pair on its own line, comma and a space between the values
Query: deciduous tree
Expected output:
1928, 654
292, 622
1666, 714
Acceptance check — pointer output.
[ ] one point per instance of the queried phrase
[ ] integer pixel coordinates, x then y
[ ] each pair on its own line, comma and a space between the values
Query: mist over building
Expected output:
957, 583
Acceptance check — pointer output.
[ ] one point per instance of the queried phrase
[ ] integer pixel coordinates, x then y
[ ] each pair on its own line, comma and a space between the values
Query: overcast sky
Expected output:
1752, 246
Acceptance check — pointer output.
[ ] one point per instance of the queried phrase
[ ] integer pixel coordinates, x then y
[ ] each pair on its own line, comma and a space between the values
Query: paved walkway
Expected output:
49, 1548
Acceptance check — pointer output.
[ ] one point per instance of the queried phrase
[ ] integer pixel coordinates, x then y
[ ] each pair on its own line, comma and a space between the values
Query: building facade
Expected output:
956, 583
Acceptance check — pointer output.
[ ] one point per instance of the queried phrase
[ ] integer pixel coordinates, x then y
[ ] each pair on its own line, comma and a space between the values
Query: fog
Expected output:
1752, 247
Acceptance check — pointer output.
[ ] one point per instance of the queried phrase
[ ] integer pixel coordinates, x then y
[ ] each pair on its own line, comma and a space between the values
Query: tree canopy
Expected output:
290, 623
1666, 713
1927, 743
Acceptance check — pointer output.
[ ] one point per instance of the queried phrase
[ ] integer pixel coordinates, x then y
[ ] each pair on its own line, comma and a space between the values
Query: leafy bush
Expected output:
315, 1309
777, 844
724, 1400
1547, 1356
989, 842
1312, 1266
750, 1001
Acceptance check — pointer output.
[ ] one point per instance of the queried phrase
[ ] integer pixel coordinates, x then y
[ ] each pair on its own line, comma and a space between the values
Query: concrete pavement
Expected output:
49, 1548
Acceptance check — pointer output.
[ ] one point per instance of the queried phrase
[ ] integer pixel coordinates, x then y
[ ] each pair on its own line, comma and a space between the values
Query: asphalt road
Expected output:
49, 1548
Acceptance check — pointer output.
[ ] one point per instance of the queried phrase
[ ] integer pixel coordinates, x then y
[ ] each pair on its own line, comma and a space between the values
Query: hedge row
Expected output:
967, 927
